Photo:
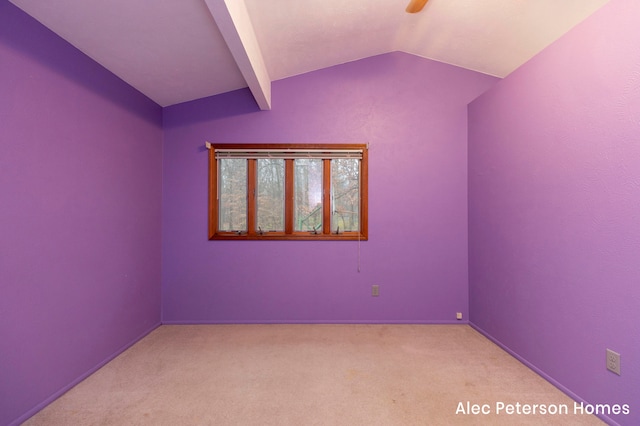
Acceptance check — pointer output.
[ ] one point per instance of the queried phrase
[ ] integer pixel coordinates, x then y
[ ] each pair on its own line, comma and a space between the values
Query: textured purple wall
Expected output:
413, 113
554, 209
80, 205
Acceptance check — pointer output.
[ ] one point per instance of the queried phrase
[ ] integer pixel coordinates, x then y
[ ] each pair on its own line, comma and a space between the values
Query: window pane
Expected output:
308, 195
270, 202
345, 195
233, 195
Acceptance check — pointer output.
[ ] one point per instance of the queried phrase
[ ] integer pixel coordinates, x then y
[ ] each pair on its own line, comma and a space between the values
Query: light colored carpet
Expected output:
310, 375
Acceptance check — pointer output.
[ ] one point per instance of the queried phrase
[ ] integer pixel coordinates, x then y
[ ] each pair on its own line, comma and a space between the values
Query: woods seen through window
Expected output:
288, 191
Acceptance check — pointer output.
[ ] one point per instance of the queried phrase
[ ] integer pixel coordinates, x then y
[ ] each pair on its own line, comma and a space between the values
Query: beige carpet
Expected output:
310, 375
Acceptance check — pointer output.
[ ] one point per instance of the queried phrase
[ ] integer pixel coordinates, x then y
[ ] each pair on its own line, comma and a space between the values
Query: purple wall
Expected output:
553, 201
554, 209
412, 112
80, 205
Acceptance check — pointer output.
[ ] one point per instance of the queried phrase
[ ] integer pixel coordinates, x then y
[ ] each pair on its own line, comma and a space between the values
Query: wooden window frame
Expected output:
289, 233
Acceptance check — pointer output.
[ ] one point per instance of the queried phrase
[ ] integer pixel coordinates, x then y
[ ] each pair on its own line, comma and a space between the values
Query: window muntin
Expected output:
291, 191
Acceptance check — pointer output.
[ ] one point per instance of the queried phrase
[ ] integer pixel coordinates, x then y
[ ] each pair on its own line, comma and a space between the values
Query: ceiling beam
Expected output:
232, 19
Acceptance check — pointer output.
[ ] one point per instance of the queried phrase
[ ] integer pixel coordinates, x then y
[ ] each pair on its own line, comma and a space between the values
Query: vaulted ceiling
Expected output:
179, 50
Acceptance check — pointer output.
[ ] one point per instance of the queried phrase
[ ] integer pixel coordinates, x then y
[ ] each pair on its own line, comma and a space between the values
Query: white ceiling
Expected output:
179, 50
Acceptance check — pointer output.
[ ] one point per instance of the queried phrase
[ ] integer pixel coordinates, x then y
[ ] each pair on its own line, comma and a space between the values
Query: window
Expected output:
287, 192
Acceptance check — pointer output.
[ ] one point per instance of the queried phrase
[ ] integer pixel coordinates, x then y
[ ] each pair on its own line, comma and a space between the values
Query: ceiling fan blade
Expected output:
416, 6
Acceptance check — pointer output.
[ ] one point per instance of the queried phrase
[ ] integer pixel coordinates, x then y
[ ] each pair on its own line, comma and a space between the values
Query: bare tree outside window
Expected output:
308, 194
233, 195
270, 202
345, 195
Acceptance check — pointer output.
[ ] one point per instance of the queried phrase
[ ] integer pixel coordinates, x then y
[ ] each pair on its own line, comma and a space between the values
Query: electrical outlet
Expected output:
459, 315
375, 290
613, 361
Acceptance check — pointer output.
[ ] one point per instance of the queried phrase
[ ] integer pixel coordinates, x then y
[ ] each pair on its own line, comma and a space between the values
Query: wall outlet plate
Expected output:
613, 361
375, 290
459, 315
